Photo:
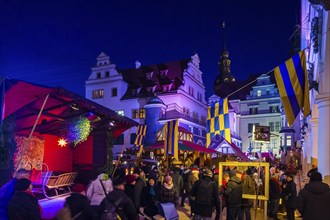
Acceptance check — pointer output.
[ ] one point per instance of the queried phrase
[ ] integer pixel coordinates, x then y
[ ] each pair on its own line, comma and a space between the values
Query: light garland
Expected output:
78, 130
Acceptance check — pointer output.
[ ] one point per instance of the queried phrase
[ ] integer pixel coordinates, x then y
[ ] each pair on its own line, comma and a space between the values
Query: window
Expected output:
274, 109
250, 126
288, 141
98, 94
278, 126
191, 91
259, 93
119, 140
253, 111
142, 113
135, 113
199, 96
107, 74
98, 75
272, 126
120, 112
114, 92
139, 113
133, 137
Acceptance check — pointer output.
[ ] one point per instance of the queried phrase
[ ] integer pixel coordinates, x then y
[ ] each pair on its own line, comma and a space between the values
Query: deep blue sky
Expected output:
56, 42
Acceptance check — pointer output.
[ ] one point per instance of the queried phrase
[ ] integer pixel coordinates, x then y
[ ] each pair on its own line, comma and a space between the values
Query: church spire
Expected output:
224, 35
224, 62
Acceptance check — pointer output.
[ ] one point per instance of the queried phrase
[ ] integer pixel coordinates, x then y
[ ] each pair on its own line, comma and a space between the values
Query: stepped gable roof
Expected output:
150, 79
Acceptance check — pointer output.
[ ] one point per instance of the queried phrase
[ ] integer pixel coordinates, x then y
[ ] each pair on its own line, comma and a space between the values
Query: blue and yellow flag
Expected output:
218, 121
140, 134
171, 138
292, 82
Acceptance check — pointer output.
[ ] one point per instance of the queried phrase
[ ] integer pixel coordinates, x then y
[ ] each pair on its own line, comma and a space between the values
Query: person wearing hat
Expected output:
7, 191
313, 200
98, 189
233, 193
149, 196
290, 196
24, 205
125, 206
205, 191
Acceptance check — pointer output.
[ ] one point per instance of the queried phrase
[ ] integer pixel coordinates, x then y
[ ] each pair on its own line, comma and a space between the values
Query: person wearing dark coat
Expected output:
7, 192
168, 192
313, 200
24, 205
79, 204
140, 183
125, 206
177, 180
248, 187
290, 196
275, 193
149, 197
233, 195
204, 211
129, 188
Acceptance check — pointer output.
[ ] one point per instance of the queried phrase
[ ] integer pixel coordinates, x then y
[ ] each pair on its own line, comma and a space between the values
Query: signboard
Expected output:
261, 133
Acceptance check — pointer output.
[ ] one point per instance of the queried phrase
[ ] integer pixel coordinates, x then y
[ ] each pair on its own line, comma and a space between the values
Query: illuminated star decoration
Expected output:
62, 142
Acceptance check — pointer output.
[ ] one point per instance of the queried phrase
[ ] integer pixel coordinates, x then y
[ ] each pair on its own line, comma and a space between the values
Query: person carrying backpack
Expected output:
206, 196
117, 205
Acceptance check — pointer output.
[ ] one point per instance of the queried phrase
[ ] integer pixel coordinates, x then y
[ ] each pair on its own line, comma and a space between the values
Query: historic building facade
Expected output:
152, 95
315, 39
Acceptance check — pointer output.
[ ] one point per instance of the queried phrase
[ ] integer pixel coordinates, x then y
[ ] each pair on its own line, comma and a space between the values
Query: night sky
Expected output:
56, 42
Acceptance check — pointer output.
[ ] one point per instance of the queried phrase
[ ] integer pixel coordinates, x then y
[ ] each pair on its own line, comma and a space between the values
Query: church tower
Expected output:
224, 75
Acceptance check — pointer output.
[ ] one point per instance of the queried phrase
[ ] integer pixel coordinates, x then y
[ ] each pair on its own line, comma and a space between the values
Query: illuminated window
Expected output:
139, 113
114, 92
288, 141
98, 94
142, 113
277, 126
259, 93
120, 112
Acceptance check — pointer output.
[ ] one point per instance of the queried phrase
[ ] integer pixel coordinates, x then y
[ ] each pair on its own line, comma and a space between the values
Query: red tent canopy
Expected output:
26, 100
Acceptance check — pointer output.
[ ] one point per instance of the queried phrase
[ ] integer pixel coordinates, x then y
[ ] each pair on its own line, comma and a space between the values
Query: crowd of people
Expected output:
144, 192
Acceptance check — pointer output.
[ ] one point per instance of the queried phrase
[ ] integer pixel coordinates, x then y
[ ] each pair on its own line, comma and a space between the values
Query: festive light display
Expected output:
62, 142
78, 130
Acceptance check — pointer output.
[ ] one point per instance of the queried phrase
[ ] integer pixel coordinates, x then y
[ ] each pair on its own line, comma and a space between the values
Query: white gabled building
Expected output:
177, 84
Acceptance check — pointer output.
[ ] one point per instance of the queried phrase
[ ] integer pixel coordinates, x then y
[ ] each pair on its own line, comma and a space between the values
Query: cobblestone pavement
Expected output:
184, 213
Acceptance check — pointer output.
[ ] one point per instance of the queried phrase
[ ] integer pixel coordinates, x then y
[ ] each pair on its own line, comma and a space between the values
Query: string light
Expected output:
62, 142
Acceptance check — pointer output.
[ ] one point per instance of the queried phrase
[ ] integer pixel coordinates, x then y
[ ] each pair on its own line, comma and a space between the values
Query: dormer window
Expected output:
98, 75
259, 93
107, 74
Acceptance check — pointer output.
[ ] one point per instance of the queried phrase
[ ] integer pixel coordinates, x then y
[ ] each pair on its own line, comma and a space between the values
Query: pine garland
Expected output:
8, 145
